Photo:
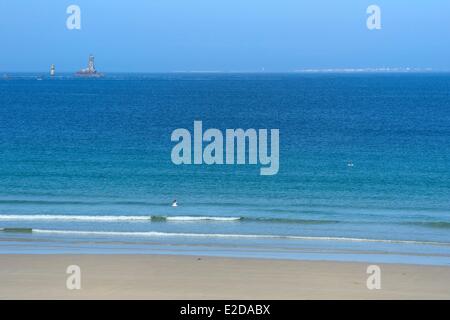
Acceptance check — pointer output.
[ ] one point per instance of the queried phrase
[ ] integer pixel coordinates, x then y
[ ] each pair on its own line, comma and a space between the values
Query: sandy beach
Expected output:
192, 277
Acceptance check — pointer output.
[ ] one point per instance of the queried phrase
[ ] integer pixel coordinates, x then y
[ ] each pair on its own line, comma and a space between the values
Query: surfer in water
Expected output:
174, 203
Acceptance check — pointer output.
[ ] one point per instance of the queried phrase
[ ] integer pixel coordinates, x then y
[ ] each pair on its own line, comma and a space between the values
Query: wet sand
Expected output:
189, 277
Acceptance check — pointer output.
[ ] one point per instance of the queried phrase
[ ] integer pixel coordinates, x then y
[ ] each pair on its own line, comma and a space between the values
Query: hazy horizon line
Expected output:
304, 70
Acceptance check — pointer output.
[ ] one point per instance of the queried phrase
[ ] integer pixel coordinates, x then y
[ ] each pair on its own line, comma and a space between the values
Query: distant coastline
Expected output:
382, 70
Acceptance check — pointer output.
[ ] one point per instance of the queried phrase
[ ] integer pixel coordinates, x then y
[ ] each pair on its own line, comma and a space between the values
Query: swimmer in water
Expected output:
174, 203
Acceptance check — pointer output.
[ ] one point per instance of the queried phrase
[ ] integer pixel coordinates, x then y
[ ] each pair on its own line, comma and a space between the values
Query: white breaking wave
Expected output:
194, 218
73, 217
24, 217
222, 235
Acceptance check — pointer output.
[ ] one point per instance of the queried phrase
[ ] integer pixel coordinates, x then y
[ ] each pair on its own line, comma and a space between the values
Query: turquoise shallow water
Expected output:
86, 164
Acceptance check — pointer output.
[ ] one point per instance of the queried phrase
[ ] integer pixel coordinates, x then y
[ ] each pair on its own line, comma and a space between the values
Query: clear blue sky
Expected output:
223, 35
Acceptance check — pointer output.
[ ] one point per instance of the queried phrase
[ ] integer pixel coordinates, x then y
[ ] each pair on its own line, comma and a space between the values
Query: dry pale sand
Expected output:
183, 277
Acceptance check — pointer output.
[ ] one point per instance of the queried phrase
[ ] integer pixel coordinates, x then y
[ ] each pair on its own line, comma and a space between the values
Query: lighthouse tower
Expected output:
90, 70
91, 67
52, 70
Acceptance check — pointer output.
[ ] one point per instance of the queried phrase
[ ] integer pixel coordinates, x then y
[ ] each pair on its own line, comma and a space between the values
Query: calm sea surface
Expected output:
364, 166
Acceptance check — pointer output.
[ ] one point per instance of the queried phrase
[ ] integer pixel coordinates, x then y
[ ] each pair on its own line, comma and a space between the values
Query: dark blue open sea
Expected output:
86, 164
